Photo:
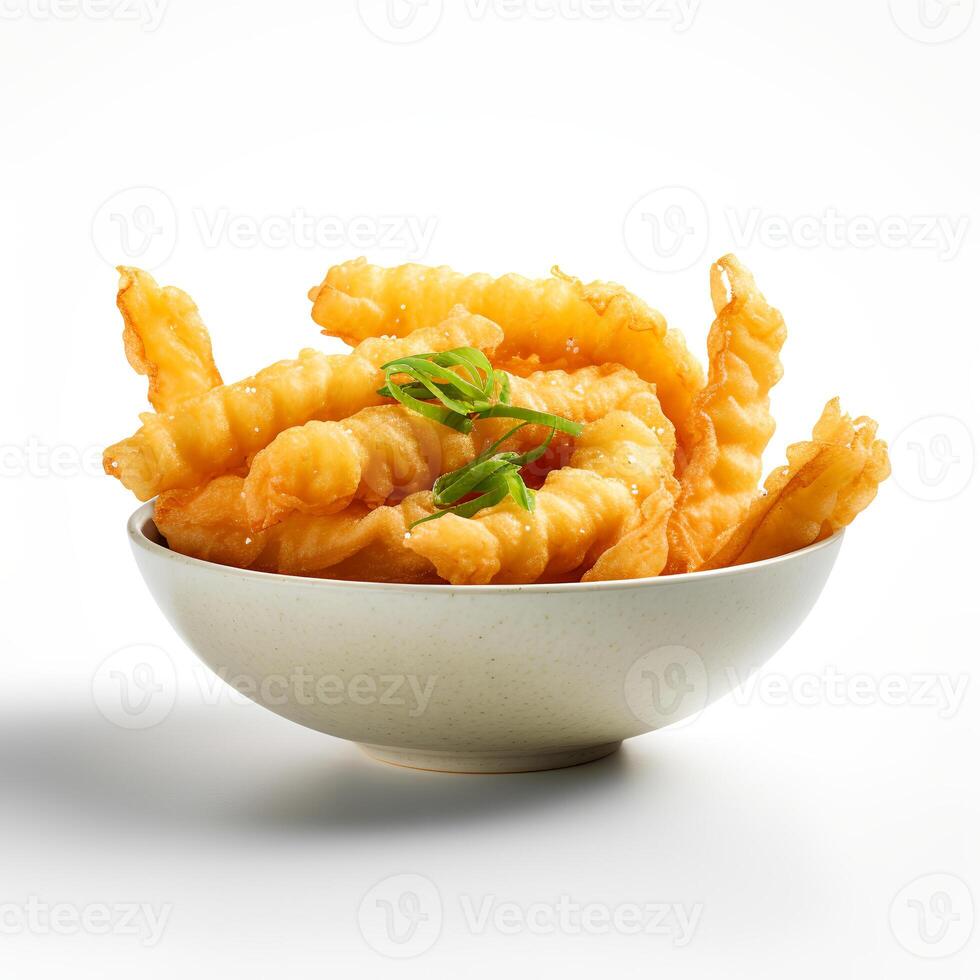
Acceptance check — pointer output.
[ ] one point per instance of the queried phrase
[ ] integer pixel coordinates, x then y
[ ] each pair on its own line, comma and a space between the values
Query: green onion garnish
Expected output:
456, 388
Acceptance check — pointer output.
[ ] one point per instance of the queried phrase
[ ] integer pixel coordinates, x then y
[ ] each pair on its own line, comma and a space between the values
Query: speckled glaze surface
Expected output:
485, 678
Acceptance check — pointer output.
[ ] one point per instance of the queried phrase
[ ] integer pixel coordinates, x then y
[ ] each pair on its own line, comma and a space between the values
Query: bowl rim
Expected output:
143, 515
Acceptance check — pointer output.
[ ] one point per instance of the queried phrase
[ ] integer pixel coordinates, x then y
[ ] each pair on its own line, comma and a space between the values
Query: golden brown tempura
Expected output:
730, 423
827, 483
558, 322
218, 431
580, 512
384, 453
210, 523
165, 339
642, 551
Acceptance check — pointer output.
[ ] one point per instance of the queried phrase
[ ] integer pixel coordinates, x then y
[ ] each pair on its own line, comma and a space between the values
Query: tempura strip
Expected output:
384, 453
218, 431
730, 423
641, 552
165, 339
824, 487
580, 512
559, 322
210, 523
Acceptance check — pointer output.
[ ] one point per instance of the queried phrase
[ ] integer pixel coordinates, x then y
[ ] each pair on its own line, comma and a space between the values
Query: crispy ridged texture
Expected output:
210, 523
558, 322
641, 552
165, 339
827, 483
385, 453
219, 430
730, 423
580, 512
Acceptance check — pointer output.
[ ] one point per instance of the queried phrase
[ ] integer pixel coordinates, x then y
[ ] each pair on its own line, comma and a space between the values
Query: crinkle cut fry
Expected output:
221, 429
384, 453
165, 339
560, 321
210, 523
828, 481
730, 424
580, 512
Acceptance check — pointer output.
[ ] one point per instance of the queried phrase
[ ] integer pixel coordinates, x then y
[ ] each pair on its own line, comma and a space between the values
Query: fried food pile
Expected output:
484, 431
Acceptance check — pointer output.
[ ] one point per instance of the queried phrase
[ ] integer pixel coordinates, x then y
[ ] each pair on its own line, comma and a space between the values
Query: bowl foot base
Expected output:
489, 762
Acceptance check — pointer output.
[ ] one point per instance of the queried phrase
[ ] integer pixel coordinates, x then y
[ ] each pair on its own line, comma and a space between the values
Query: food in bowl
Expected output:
484, 431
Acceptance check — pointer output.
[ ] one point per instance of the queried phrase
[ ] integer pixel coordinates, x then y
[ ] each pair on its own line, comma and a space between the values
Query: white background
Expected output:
797, 827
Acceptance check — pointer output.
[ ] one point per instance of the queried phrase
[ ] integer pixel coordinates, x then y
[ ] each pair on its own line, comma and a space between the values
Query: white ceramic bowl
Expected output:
482, 678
